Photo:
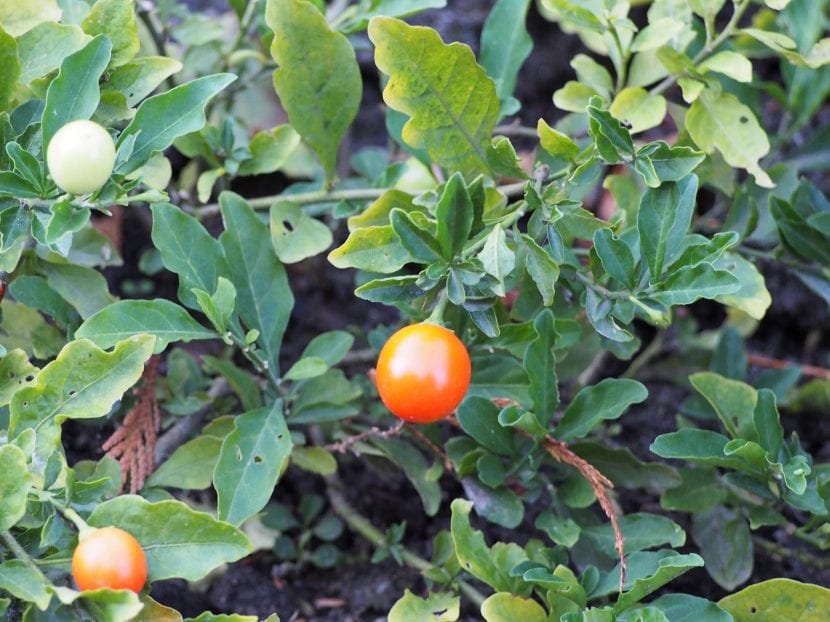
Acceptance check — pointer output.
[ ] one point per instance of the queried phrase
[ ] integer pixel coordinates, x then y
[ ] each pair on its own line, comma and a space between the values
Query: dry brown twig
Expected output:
601, 485
134, 443
347, 444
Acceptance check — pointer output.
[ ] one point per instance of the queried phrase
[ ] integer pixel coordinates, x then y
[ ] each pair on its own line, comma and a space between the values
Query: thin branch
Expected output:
812, 371
347, 444
741, 7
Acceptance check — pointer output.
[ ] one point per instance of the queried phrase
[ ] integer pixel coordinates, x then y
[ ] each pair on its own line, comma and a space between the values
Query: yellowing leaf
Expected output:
638, 109
18, 16
777, 600
451, 101
721, 122
318, 79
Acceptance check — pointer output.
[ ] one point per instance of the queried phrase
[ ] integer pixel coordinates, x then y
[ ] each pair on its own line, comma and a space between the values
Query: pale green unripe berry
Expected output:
80, 157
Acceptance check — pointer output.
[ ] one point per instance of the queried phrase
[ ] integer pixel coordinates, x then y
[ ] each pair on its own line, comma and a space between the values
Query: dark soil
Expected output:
358, 590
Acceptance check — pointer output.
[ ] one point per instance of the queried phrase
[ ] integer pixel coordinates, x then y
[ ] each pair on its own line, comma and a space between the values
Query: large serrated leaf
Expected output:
83, 382
178, 541
263, 296
451, 101
162, 118
251, 461
318, 79
163, 319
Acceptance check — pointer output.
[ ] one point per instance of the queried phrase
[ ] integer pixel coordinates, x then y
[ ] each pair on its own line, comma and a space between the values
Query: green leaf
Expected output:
188, 250
307, 367
616, 257
74, 93
688, 285
115, 19
24, 582
503, 160
497, 258
638, 109
11, 68
240, 380
390, 291
190, 467
263, 296
417, 471
721, 122
270, 150
35, 293
540, 364
14, 487
178, 541
318, 78
421, 245
479, 418
606, 400
83, 382
658, 33
295, 235
589, 72
18, 16
452, 102
561, 530
542, 268
686, 608
504, 607
555, 142
162, 118
139, 77
15, 372
575, 15
669, 163
218, 307
663, 220
703, 446
624, 469
573, 97
479, 560
612, 139
165, 320
252, 459
454, 215
392, 8
752, 297
729, 63
332, 346
725, 543
505, 46
640, 531
373, 249
437, 608
314, 460
776, 600
733, 401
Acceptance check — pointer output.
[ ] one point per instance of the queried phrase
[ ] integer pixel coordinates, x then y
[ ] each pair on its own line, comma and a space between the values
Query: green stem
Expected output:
19, 552
649, 352
71, 515
260, 364
741, 7
602, 291
334, 196
622, 68
437, 315
360, 525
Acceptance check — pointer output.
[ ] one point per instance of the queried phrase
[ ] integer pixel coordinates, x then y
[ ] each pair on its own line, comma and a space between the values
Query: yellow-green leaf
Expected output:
318, 79
451, 101
721, 122
116, 19
18, 16
503, 607
777, 600
638, 109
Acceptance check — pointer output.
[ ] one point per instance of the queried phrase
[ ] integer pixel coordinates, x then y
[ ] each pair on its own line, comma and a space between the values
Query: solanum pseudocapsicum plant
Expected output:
503, 258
